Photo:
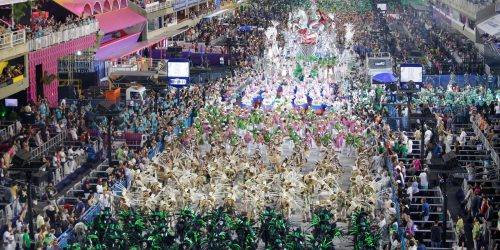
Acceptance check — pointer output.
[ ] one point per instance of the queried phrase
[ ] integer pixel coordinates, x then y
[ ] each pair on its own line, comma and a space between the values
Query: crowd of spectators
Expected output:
215, 32
404, 32
10, 72
45, 24
445, 51
159, 116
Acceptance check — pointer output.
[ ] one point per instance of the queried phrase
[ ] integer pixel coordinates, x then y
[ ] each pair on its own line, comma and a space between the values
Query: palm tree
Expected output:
19, 11
48, 79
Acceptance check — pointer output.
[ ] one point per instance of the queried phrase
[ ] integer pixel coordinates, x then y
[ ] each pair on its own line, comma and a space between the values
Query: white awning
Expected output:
9, 2
491, 26
218, 13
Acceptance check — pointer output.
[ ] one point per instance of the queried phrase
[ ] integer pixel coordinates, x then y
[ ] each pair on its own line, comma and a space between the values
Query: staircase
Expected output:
434, 197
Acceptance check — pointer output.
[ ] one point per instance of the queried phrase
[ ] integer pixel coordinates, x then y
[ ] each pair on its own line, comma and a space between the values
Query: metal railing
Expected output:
11, 39
7, 132
156, 6
64, 171
49, 145
86, 218
63, 36
378, 54
76, 65
467, 6
486, 144
123, 67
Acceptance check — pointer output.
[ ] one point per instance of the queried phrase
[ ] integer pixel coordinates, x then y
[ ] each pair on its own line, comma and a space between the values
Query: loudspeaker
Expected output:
21, 158
68, 92
40, 177
449, 156
412, 85
392, 87
174, 49
28, 118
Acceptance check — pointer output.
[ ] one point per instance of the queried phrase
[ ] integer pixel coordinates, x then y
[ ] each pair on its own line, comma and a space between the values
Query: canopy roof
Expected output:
385, 78
491, 26
119, 19
76, 6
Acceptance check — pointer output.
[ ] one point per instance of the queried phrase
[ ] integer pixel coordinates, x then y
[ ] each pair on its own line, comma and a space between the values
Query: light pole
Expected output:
110, 112
23, 163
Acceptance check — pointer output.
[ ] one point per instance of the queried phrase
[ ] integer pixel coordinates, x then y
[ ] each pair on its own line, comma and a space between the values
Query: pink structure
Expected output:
48, 59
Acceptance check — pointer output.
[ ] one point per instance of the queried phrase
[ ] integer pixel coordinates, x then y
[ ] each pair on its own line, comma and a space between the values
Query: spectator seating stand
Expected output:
488, 180
103, 171
434, 198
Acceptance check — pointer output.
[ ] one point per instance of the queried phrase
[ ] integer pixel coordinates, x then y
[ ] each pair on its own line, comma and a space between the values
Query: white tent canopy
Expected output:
491, 26
8, 2
218, 13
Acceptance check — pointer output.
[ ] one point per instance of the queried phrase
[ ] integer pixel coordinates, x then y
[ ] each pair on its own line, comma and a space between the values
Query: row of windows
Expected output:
107, 6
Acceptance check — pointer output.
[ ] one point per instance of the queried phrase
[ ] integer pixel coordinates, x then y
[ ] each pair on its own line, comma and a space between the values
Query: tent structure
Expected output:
384, 78
491, 26
246, 28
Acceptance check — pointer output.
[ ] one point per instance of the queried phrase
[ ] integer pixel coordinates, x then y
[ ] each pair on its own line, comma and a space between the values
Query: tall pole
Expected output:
422, 127
445, 209
109, 139
30, 208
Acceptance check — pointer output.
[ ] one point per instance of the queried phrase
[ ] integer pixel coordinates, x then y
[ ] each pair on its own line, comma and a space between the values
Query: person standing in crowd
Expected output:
436, 235
475, 204
483, 212
459, 228
425, 210
79, 208
26, 241
424, 183
8, 239
476, 233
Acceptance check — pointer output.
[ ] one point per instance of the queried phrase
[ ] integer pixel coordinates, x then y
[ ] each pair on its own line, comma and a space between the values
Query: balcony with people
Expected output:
46, 31
162, 7
12, 76
44, 27
466, 14
12, 41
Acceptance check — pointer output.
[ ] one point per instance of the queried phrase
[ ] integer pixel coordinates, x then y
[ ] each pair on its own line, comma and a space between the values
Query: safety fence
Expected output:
69, 167
396, 202
11, 39
460, 80
63, 36
156, 6
48, 146
86, 218
7, 132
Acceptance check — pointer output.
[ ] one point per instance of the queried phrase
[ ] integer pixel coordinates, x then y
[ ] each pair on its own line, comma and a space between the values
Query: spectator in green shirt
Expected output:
26, 239
120, 154
460, 227
476, 232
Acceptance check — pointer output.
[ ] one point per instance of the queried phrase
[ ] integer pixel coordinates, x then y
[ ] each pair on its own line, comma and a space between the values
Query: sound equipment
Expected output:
21, 158
68, 92
28, 118
40, 177
449, 156
174, 49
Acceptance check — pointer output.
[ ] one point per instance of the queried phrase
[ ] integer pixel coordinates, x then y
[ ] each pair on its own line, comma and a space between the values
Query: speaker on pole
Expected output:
21, 158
